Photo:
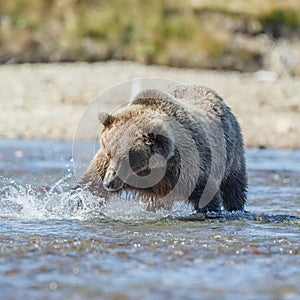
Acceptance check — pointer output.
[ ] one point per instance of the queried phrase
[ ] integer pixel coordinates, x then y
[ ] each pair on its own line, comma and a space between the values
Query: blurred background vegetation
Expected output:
221, 34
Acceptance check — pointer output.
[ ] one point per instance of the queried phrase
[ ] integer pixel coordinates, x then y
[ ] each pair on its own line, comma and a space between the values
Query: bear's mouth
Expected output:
115, 183
114, 189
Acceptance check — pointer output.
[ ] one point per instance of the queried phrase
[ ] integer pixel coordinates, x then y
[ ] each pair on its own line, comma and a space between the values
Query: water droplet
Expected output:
53, 285
76, 271
19, 153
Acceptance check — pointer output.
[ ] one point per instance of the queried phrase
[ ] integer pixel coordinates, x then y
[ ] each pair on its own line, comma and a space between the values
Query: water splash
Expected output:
29, 202
133, 211
60, 202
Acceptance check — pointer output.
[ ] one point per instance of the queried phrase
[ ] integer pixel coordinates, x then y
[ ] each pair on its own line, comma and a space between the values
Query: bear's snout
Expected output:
111, 181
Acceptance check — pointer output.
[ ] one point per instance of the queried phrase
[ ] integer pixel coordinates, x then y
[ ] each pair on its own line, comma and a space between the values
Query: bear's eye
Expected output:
148, 139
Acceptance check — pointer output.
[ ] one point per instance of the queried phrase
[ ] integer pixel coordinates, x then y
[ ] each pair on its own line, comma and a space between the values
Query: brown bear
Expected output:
180, 142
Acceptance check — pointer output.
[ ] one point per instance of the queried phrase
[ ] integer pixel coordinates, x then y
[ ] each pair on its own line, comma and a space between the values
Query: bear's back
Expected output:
182, 100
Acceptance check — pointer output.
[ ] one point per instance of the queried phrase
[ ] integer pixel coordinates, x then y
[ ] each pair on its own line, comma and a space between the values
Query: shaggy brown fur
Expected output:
178, 143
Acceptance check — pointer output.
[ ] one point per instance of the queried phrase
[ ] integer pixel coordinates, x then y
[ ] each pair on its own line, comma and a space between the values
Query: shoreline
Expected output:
91, 141
46, 101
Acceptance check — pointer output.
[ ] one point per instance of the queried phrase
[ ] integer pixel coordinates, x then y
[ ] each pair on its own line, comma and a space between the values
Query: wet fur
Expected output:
199, 110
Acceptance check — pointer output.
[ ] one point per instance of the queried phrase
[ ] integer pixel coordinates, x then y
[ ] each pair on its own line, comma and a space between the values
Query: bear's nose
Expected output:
111, 181
109, 184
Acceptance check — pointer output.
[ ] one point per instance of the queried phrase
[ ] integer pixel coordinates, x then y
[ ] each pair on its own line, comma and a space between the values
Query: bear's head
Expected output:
138, 146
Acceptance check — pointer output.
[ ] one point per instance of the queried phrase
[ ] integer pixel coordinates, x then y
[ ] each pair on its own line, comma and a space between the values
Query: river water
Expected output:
53, 248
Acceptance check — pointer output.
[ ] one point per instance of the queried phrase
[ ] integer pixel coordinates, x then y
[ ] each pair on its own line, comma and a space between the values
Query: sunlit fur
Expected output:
211, 129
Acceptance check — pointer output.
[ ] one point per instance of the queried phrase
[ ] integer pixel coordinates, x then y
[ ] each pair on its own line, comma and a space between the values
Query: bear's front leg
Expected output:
93, 177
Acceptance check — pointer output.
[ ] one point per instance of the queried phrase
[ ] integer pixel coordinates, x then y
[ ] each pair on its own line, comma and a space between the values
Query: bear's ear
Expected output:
106, 119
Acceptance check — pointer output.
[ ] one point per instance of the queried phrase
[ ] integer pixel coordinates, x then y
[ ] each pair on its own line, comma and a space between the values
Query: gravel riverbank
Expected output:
46, 101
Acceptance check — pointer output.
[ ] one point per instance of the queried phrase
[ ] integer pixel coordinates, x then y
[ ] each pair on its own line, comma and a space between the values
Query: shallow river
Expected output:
51, 248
